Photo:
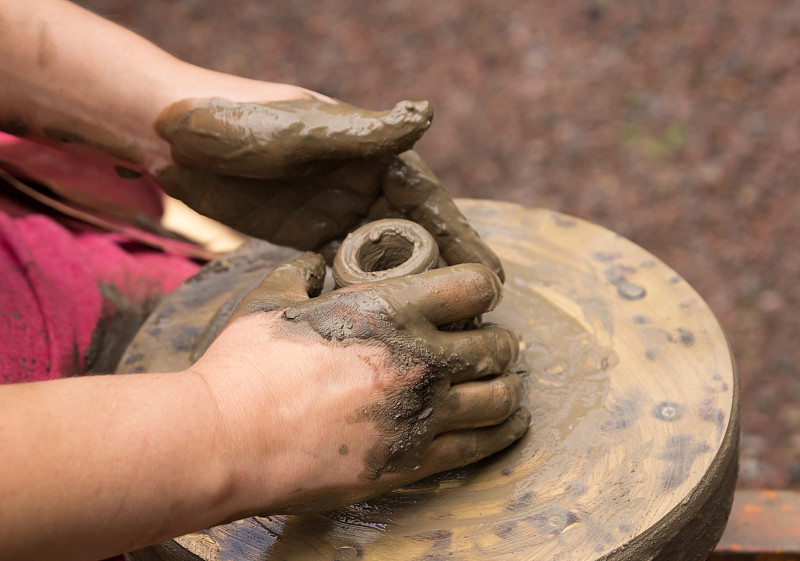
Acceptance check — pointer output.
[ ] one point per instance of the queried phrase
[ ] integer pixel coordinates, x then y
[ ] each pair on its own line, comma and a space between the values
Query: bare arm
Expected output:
99, 465
74, 79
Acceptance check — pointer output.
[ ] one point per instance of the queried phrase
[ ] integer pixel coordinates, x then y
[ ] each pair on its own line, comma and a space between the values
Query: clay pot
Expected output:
384, 249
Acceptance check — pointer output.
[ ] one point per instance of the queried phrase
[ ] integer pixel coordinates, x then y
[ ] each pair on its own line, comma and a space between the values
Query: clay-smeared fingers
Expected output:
448, 294
410, 186
454, 449
481, 352
290, 283
481, 404
282, 139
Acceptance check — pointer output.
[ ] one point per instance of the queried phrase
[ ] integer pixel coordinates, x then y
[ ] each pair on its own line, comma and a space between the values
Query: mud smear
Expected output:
396, 315
358, 318
285, 138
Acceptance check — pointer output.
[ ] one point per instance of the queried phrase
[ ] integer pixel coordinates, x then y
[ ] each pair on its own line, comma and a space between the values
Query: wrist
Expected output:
231, 441
260, 434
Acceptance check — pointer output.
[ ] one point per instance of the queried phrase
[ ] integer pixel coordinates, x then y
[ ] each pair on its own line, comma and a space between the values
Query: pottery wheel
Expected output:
632, 449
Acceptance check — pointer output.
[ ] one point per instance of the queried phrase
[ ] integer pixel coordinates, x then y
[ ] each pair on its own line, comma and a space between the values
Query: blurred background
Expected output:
675, 123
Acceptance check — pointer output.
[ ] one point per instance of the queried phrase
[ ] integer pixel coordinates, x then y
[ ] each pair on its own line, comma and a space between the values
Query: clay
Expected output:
304, 214
412, 188
285, 138
384, 249
116, 328
289, 283
312, 213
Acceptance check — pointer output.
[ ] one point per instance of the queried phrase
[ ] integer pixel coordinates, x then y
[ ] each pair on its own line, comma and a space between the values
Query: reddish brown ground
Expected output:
673, 122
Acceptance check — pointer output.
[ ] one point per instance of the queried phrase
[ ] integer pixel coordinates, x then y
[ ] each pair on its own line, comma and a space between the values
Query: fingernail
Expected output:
497, 287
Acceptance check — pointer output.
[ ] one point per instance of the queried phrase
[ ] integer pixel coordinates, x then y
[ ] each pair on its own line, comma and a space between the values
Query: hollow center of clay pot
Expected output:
390, 250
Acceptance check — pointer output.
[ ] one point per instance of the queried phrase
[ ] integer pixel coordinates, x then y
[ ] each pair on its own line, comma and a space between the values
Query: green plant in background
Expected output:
657, 148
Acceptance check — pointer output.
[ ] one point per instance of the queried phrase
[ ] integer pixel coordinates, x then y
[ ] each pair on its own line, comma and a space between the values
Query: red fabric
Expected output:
50, 302
82, 179
50, 276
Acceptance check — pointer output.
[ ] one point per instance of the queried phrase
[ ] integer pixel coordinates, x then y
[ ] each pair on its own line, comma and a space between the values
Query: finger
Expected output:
290, 283
481, 404
303, 214
317, 217
330, 206
251, 206
459, 448
477, 353
381, 209
283, 138
444, 295
411, 187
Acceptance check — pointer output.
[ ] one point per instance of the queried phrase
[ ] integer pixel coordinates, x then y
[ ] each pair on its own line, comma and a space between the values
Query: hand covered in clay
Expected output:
305, 172
329, 400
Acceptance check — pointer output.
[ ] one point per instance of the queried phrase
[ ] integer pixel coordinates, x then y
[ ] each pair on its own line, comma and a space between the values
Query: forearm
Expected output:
97, 465
71, 78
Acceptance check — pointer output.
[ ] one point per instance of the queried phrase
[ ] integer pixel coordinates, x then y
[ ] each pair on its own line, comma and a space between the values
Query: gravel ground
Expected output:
673, 122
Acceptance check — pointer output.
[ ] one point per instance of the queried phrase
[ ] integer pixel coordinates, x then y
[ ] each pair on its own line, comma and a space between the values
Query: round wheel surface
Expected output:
631, 454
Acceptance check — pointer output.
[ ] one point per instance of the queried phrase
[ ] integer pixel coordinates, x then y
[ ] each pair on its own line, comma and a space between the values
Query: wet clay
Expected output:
631, 454
412, 188
284, 138
315, 212
384, 249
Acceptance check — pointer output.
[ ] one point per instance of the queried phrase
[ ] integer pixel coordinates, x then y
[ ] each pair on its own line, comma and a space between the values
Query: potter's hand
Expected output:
333, 399
305, 172
272, 160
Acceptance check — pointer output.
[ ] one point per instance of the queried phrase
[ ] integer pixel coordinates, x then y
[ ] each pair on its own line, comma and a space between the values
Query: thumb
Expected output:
290, 283
410, 186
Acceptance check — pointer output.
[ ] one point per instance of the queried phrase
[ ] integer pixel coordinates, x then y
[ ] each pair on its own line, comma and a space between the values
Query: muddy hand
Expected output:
412, 188
284, 139
306, 172
345, 396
